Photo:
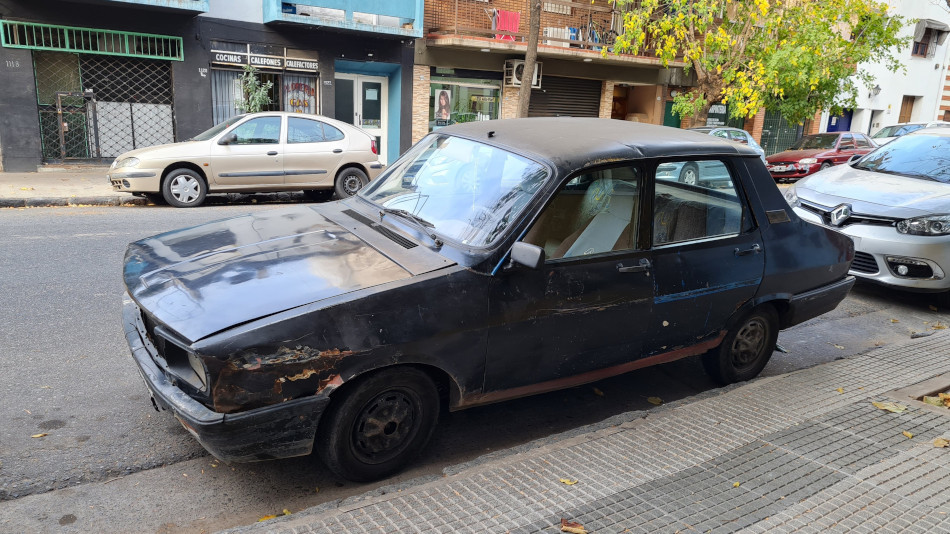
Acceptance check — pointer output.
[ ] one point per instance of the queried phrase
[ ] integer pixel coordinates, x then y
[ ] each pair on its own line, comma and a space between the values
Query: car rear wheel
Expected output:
746, 348
689, 174
349, 182
379, 424
184, 188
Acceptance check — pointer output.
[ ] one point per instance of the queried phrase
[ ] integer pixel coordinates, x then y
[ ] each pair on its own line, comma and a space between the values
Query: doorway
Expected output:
364, 102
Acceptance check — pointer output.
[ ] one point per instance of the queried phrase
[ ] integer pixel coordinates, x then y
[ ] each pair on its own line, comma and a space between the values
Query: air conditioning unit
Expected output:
514, 73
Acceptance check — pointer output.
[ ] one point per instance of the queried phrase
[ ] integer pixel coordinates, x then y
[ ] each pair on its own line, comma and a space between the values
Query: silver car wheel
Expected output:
185, 189
689, 175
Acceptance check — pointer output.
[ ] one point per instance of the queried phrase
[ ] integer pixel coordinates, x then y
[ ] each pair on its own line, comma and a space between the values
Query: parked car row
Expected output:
814, 153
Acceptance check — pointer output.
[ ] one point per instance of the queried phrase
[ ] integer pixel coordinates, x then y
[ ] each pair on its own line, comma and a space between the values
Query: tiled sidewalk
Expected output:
783, 454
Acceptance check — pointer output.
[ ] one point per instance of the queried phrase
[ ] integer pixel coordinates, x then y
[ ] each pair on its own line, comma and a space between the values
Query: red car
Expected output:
813, 153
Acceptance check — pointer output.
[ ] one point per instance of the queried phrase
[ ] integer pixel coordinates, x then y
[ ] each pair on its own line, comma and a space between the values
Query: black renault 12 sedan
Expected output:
493, 260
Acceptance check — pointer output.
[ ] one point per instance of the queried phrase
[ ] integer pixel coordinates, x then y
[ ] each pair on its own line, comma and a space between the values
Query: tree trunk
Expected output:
530, 57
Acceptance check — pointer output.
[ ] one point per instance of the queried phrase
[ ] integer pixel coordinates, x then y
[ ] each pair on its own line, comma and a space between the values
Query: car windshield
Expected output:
467, 191
815, 141
216, 129
916, 156
887, 131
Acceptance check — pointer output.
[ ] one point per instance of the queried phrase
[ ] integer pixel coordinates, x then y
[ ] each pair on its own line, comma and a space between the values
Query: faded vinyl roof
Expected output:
574, 142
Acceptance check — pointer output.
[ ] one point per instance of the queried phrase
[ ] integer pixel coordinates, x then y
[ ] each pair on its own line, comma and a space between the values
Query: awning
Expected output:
940, 29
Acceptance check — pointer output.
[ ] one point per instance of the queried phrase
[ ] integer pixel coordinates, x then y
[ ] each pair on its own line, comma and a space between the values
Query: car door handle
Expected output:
337, 150
754, 250
272, 153
643, 266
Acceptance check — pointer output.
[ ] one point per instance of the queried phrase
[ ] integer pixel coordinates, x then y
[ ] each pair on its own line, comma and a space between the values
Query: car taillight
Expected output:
372, 146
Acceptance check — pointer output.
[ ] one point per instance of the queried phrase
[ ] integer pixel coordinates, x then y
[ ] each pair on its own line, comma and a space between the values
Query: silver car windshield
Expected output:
469, 192
916, 156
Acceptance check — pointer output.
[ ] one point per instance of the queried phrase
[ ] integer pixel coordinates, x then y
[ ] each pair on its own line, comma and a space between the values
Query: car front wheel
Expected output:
184, 188
746, 348
349, 182
825, 165
379, 424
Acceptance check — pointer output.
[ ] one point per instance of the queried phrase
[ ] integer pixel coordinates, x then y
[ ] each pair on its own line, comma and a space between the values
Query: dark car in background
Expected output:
813, 153
493, 260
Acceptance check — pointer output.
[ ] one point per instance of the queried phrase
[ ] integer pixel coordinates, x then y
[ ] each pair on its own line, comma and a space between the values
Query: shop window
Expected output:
453, 102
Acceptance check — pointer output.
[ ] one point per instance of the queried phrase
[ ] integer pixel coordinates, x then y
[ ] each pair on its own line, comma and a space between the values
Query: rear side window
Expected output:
696, 200
738, 137
304, 131
331, 133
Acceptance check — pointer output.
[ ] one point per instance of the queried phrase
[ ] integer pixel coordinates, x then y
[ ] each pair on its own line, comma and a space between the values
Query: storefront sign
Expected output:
718, 115
263, 61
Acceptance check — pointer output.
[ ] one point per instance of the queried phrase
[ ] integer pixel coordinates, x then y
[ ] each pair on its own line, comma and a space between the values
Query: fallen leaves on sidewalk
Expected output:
907, 435
892, 407
656, 401
938, 326
572, 527
43, 435
840, 390
941, 443
598, 392
835, 345
273, 516
569, 481
735, 484
894, 321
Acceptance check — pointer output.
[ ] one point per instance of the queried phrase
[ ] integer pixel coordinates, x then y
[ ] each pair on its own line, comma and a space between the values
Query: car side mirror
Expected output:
527, 255
228, 139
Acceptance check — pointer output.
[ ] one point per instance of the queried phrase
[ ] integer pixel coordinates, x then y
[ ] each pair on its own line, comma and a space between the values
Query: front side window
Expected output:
687, 212
594, 213
862, 142
260, 131
847, 142
463, 190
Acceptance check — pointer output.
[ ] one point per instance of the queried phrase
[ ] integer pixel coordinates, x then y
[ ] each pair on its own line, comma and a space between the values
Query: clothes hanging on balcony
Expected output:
507, 21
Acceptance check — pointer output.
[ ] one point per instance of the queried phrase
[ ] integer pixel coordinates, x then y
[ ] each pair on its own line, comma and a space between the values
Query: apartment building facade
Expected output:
83, 81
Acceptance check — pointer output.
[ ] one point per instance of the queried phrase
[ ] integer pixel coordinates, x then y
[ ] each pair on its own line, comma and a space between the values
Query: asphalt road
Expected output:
82, 449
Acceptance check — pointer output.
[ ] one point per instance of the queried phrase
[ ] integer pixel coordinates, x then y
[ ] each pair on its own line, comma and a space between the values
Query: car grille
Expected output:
856, 218
864, 263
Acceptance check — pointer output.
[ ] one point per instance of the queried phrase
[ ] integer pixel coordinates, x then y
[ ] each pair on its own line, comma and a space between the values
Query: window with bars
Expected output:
33, 36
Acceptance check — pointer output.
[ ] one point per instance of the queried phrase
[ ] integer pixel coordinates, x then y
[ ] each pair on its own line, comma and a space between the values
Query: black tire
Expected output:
349, 181
824, 166
318, 195
689, 174
379, 424
746, 349
184, 188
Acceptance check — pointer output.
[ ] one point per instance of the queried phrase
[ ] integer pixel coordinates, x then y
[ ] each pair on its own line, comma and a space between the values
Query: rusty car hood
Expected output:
201, 280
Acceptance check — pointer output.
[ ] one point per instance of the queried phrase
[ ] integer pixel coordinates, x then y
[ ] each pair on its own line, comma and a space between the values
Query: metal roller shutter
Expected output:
566, 97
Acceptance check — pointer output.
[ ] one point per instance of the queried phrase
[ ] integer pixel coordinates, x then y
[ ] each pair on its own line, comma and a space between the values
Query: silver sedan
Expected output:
895, 204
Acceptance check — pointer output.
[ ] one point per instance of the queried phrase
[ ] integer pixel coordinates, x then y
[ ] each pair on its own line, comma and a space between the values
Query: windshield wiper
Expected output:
419, 222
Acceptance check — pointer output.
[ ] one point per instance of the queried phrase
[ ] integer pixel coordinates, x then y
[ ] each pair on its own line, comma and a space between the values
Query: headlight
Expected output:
929, 225
807, 161
792, 197
126, 162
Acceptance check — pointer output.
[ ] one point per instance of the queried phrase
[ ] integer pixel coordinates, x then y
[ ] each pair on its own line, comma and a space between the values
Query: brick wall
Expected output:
944, 113
813, 125
509, 102
606, 99
420, 102
755, 124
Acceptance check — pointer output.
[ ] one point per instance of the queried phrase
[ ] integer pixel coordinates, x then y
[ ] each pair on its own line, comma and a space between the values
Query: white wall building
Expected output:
919, 94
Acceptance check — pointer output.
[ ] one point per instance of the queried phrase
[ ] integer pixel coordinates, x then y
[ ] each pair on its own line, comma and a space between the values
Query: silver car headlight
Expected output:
125, 162
927, 225
792, 197
807, 161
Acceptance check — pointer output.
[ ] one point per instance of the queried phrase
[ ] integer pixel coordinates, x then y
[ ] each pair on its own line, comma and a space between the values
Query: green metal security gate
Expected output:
778, 134
100, 92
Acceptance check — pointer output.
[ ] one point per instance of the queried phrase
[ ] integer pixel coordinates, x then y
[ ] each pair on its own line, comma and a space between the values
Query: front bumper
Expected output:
874, 244
795, 171
811, 304
279, 431
133, 180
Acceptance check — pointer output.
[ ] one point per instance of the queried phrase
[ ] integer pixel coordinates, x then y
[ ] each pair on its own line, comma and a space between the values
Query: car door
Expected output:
313, 151
249, 154
587, 309
862, 144
708, 258
846, 149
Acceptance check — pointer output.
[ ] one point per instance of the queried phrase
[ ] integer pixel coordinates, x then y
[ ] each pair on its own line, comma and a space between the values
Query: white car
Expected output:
889, 133
259, 152
894, 203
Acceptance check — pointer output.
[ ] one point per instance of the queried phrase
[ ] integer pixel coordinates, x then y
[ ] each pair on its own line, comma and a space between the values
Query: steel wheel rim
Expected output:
749, 343
351, 184
185, 189
689, 176
385, 427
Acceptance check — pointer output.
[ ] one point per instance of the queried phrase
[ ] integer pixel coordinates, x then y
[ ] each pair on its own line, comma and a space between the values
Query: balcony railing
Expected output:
395, 17
193, 6
591, 25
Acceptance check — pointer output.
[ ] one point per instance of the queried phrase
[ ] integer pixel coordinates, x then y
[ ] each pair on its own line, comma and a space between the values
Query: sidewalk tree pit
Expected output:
493, 260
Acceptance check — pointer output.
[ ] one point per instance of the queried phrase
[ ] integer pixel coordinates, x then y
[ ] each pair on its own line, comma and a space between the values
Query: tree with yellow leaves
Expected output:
792, 56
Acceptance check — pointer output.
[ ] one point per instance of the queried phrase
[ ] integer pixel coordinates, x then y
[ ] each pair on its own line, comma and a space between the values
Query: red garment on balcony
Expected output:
506, 21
